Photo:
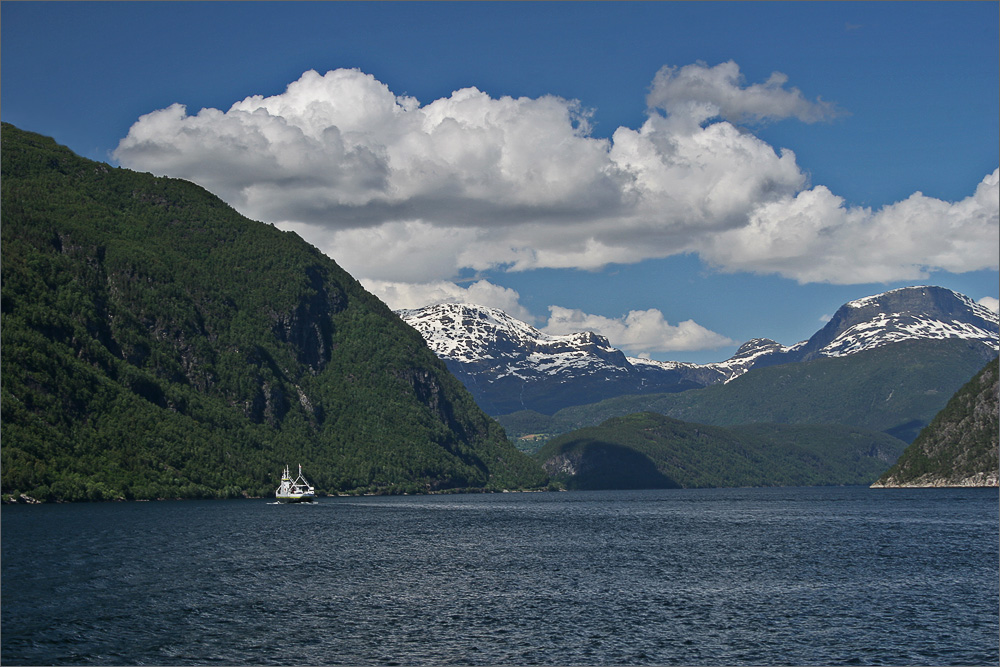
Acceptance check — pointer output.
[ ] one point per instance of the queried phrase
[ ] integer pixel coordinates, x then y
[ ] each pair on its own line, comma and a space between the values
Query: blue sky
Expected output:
634, 168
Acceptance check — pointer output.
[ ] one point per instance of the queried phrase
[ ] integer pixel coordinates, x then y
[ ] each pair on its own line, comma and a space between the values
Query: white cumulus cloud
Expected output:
401, 191
340, 150
702, 92
399, 295
815, 237
991, 303
638, 332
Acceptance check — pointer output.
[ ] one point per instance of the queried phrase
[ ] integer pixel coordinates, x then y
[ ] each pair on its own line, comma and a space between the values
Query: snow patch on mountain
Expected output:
886, 328
490, 339
745, 358
910, 313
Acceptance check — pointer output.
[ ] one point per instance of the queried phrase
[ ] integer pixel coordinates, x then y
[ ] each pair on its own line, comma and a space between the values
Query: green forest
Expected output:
157, 344
961, 441
649, 450
896, 389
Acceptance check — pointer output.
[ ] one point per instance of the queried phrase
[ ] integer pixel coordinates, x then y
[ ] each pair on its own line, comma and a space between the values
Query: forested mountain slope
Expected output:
647, 450
960, 446
896, 388
158, 344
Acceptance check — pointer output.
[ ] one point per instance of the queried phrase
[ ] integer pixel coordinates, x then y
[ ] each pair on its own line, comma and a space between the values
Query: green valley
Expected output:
960, 446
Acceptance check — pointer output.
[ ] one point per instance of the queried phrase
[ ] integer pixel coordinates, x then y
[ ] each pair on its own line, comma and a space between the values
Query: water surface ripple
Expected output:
694, 577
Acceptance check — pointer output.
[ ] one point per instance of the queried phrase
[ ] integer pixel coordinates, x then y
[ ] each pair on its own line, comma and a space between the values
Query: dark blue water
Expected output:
694, 577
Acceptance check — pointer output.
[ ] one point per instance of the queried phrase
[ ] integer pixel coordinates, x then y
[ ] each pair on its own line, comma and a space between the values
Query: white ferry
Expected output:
294, 491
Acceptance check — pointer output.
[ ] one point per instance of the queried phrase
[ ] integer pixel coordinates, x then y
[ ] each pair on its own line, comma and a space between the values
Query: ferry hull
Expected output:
296, 499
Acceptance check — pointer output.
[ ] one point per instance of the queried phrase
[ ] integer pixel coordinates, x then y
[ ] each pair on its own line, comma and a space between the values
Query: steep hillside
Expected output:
960, 446
895, 388
158, 344
647, 450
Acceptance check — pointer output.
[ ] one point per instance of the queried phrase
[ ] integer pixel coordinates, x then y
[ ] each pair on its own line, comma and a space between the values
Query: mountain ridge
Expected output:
896, 389
505, 366
507, 363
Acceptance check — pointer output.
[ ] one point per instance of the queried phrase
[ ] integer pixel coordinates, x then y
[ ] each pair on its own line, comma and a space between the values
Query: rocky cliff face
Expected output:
960, 446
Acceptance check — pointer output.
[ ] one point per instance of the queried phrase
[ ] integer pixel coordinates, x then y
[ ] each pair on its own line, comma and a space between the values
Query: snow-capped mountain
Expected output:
492, 341
910, 313
509, 365
749, 355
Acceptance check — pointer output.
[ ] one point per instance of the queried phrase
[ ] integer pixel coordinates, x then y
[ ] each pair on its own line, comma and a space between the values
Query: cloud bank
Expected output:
405, 195
639, 332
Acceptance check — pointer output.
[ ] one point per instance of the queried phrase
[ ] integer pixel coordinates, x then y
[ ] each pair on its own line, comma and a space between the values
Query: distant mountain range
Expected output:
509, 365
896, 389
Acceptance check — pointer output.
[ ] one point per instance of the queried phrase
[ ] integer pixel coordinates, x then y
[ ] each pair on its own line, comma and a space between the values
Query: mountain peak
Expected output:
908, 313
758, 346
468, 332
509, 365
918, 298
